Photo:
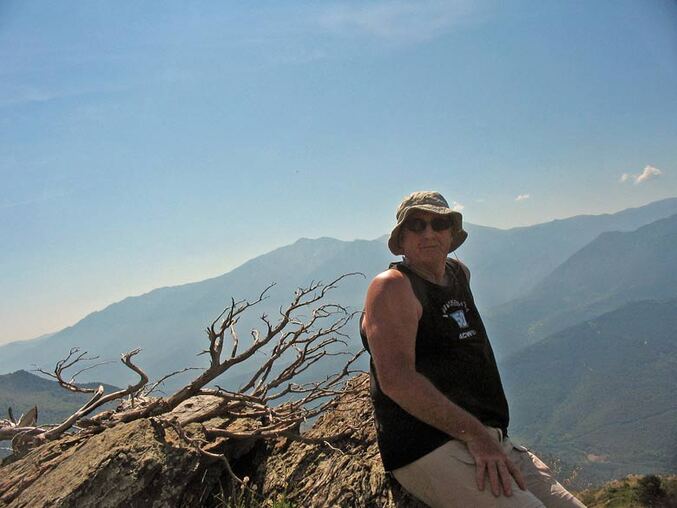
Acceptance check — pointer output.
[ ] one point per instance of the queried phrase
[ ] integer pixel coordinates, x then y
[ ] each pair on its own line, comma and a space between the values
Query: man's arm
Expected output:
392, 313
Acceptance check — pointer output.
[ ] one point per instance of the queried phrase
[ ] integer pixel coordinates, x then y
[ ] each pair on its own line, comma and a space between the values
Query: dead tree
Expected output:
307, 330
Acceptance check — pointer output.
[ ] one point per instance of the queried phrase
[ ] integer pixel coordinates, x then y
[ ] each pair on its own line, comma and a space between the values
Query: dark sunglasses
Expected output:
416, 225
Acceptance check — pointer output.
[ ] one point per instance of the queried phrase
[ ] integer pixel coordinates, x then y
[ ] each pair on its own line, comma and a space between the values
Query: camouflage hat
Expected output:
427, 201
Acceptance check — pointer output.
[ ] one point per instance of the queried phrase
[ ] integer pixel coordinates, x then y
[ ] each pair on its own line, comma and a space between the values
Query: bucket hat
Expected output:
428, 201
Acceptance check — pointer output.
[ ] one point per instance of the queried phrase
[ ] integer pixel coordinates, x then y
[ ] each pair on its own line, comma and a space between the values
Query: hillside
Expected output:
612, 270
633, 492
22, 390
601, 394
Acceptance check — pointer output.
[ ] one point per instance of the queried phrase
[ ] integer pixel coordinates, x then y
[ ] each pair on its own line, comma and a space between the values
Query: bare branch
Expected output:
74, 356
307, 331
211, 456
147, 391
233, 334
98, 398
68, 422
10, 432
130, 390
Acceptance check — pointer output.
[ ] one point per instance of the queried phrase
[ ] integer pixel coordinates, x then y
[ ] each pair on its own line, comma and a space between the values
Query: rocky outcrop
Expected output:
147, 463
346, 472
131, 464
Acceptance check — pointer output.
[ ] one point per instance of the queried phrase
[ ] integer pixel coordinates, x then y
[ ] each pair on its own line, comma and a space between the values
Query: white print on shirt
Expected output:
458, 315
453, 303
467, 334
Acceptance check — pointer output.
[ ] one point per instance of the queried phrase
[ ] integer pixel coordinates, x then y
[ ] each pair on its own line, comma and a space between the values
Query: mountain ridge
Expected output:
613, 269
168, 322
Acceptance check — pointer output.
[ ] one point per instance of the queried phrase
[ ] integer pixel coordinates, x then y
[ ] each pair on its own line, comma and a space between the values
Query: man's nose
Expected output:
428, 231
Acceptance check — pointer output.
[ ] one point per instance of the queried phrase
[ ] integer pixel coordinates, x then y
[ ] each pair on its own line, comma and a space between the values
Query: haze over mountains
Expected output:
507, 264
168, 322
554, 281
615, 268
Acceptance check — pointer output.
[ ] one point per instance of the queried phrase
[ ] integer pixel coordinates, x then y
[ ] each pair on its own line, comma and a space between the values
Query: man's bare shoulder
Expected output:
391, 291
391, 274
391, 281
391, 309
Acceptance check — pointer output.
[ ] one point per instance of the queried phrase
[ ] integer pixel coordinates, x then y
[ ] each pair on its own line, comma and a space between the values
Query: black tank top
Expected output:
453, 352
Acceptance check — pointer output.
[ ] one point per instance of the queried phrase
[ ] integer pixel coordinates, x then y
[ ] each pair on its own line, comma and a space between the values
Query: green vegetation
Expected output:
589, 394
244, 496
633, 491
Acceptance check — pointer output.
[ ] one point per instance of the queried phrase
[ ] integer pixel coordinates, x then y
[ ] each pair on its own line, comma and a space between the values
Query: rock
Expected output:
146, 463
131, 464
347, 472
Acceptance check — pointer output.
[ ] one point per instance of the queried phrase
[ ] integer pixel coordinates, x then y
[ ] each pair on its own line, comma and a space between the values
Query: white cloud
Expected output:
522, 197
456, 206
647, 173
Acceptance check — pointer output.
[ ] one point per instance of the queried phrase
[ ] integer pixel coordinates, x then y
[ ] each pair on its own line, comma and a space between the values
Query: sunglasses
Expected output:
416, 225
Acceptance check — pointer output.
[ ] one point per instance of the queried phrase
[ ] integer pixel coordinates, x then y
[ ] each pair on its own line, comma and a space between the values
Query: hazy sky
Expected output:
146, 144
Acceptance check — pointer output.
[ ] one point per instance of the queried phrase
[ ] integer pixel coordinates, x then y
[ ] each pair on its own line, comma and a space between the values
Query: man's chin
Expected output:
429, 255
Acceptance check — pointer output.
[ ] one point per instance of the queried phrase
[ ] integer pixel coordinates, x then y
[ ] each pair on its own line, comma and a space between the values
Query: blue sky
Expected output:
146, 144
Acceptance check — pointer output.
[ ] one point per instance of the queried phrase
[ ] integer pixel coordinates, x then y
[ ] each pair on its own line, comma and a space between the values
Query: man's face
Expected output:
428, 245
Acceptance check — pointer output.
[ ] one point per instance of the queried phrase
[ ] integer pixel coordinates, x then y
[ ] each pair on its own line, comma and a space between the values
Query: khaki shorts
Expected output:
445, 478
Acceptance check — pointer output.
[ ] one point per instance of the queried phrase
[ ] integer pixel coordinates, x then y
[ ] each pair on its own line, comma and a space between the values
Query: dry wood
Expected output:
306, 332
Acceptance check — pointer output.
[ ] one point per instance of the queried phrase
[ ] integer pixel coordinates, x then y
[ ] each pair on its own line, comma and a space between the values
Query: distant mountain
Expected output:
602, 393
168, 322
614, 269
507, 264
22, 390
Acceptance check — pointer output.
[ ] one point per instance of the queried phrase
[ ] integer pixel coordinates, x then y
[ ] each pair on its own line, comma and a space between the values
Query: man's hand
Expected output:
490, 458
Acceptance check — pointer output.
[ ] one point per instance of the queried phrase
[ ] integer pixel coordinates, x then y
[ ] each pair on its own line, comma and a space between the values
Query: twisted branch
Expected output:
271, 400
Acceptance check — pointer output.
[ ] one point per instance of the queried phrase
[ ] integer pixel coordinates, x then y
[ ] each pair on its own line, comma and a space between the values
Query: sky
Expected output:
153, 143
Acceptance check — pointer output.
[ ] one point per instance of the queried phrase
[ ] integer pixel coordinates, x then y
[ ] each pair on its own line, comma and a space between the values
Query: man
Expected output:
440, 410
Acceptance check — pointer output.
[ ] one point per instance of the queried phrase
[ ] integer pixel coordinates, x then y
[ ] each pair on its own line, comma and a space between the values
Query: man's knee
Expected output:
542, 482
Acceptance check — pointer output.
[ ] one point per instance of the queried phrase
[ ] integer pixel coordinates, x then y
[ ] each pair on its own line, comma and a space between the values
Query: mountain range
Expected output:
168, 323
507, 264
541, 289
615, 268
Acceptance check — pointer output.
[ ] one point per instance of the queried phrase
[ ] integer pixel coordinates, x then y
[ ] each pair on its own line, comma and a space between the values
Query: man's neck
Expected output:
437, 273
